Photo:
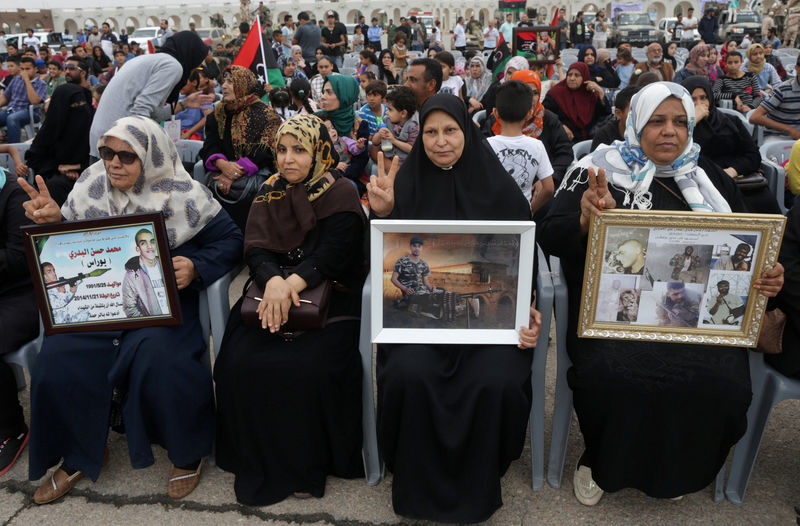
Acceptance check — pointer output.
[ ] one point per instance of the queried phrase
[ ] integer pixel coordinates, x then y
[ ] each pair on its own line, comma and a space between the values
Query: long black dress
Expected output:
289, 412
451, 418
658, 417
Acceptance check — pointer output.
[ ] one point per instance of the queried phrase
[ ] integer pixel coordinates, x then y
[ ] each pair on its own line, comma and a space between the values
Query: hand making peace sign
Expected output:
380, 188
41, 208
595, 199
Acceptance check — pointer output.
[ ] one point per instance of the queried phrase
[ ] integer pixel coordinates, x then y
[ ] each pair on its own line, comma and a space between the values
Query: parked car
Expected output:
142, 35
213, 35
666, 34
633, 27
733, 25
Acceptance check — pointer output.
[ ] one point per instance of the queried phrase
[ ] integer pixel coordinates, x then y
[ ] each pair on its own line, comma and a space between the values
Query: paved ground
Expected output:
124, 496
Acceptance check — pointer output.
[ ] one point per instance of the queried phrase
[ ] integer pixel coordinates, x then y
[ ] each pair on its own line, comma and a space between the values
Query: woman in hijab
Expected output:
543, 124
599, 66
310, 383
387, 71
150, 86
579, 103
669, 54
477, 81
727, 47
724, 140
514, 64
766, 73
664, 429
60, 150
696, 64
299, 61
240, 138
714, 71
443, 423
289, 70
339, 93
157, 375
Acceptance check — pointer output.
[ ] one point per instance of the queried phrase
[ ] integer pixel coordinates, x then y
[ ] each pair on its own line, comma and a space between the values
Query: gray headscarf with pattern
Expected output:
163, 186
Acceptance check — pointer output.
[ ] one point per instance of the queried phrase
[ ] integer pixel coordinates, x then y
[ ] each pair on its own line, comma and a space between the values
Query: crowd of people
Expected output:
291, 176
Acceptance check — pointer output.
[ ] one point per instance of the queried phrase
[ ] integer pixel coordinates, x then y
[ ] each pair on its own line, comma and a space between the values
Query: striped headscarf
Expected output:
629, 170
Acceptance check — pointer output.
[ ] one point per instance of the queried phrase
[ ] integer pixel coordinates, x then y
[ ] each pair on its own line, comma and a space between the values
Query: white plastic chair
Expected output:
581, 149
348, 71
745, 120
479, 117
25, 357
188, 150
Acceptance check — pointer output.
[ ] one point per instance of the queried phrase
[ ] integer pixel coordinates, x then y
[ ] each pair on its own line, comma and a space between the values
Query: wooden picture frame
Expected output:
477, 287
527, 40
657, 276
103, 274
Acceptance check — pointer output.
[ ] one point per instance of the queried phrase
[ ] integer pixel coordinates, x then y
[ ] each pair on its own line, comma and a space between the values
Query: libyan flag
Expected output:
512, 5
497, 60
253, 56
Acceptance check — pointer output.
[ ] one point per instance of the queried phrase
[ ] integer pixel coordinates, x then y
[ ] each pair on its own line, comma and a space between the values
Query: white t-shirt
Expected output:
288, 34
460, 36
688, 34
599, 33
437, 35
490, 37
452, 85
524, 158
157, 280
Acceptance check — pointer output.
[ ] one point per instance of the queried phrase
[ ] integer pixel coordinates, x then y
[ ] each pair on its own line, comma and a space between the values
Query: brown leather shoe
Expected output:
58, 485
183, 481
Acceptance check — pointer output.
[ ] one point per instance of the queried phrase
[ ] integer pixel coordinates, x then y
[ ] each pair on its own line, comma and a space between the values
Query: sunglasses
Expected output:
72, 66
107, 154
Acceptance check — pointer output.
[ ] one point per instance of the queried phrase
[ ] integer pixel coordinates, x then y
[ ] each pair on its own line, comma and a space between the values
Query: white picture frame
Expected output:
471, 281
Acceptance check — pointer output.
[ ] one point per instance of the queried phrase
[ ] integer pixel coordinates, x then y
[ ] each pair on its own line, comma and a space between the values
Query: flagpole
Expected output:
261, 47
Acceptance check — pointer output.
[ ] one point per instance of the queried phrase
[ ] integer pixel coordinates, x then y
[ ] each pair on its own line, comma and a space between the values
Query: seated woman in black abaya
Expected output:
724, 140
659, 417
308, 423
451, 418
579, 103
166, 392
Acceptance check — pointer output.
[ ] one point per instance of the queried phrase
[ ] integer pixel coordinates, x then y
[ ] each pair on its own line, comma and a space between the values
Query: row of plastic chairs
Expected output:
768, 385
33, 126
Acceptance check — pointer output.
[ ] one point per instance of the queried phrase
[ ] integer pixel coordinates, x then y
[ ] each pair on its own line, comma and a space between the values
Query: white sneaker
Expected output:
586, 489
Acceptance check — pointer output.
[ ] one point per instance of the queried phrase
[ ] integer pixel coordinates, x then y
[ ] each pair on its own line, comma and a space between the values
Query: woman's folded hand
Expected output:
279, 296
528, 336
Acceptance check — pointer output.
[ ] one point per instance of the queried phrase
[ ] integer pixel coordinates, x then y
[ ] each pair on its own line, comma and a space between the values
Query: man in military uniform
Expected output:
411, 275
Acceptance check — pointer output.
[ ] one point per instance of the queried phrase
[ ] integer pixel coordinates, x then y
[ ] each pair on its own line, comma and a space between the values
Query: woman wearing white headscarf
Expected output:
477, 81
658, 417
513, 65
165, 390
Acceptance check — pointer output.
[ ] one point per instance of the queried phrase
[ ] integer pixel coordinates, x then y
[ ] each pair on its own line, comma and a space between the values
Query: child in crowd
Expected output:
452, 84
400, 128
280, 100
300, 92
358, 40
13, 70
524, 158
625, 64
374, 111
737, 85
369, 62
193, 120
400, 54
97, 92
345, 146
364, 78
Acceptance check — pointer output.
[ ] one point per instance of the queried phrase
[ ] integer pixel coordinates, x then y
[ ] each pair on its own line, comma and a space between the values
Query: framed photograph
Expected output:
450, 281
539, 43
677, 276
104, 274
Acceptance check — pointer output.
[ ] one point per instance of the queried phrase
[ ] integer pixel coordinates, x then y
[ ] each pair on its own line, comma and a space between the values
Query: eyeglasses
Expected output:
69, 65
107, 154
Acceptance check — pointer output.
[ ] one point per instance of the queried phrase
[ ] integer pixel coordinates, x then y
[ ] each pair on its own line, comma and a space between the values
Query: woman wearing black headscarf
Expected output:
60, 152
451, 418
724, 140
150, 86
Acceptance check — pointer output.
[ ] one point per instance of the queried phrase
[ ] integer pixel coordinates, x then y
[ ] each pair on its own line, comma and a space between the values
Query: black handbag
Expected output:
311, 314
243, 189
751, 182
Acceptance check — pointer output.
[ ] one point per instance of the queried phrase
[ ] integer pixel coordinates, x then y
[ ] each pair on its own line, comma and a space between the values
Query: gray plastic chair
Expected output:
348, 71
479, 117
25, 357
776, 178
373, 464
769, 387
188, 150
581, 149
8, 163
562, 412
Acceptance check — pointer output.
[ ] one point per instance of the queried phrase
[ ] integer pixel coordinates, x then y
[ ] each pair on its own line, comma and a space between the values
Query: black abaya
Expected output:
307, 422
658, 417
451, 418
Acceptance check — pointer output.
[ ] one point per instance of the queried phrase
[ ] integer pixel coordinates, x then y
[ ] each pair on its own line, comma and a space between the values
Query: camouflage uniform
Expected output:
411, 274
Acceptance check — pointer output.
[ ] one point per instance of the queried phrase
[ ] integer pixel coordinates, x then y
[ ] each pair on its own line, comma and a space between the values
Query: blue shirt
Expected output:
373, 120
374, 33
17, 93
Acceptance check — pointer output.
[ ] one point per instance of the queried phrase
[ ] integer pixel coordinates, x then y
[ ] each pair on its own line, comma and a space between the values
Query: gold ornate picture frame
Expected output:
683, 277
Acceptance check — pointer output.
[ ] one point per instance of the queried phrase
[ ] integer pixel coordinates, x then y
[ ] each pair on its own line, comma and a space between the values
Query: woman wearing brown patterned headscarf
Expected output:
306, 421
240, 137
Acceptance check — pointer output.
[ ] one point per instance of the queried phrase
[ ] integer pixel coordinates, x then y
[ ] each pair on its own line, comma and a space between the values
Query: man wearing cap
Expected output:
724, 308
334, 39
411, 274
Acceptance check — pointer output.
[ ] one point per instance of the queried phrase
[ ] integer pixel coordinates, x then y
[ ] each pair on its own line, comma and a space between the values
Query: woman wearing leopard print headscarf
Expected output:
306, 423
